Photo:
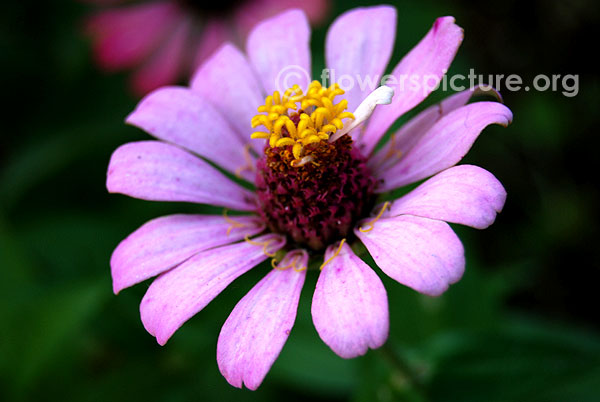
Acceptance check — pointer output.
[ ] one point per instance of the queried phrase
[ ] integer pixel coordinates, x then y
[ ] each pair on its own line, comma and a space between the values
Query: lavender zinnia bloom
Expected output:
317, 177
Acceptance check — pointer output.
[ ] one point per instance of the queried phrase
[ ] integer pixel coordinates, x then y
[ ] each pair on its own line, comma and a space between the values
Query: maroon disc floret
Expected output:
318, 203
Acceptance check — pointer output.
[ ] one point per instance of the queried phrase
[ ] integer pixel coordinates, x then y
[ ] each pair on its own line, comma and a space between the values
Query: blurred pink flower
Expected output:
316, 179
165, 40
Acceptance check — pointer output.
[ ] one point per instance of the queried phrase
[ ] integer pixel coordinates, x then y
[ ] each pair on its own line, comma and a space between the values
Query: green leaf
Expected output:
51, 322
520, 361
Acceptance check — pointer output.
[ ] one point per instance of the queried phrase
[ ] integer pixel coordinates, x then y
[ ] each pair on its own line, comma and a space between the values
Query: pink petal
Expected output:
156, 171
177, 295
228, 82
411, 132
185, 118
250, 13
165, 242
426, 64
278, 49
423, 254
445, 144
165, 66
368, 38
215, 33
350, 306
259, 325
464, 194
123, 37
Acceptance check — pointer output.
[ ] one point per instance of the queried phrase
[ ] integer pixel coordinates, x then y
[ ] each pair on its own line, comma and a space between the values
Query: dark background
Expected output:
521, 326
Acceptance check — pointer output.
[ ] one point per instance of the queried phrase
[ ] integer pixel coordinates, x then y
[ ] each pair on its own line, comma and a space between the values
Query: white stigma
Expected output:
381, 96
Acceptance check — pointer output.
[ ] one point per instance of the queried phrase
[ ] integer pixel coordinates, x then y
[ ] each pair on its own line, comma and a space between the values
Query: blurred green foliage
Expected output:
520, 326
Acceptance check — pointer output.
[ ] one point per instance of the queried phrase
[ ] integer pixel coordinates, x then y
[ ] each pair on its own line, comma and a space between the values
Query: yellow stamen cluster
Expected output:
319, 117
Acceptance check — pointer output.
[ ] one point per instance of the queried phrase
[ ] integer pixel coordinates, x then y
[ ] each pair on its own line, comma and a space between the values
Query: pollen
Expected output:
295, 120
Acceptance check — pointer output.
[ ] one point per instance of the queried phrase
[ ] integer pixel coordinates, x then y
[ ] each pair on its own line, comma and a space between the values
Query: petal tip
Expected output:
507, 116
117, 283
292, 14
487, 90
116, 287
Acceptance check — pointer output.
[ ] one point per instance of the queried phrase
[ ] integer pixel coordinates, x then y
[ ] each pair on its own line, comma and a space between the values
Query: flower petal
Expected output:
410, 133
227, 81
177, 295
464, 194
123, 37
165, 242
278, 49
156, 171
185, 118
445, 144
359, 44
381, 96
423, 254
424, 65
166, 64
350, 306
248, 14
259, 325
215, 33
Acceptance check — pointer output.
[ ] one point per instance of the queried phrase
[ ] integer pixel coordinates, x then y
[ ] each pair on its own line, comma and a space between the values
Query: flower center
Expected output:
310, 188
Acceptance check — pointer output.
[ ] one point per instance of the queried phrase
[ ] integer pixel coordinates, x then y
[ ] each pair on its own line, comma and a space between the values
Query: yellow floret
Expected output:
320, 116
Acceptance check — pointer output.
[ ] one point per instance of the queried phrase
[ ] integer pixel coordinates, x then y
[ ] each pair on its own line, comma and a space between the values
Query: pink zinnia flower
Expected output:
316, 181
165, 40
